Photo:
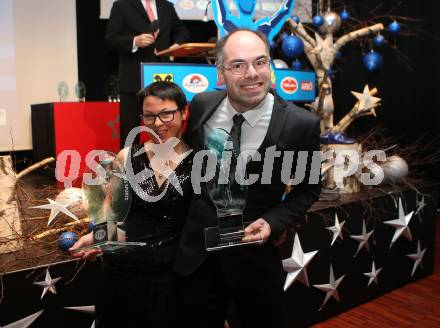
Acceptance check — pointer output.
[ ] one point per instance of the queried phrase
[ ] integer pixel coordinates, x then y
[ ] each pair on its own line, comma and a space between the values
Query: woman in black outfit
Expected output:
137, 287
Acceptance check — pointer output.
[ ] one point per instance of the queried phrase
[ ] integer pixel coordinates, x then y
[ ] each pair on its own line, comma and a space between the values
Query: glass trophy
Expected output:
63, 91
227, 195
80, 91
112, 89
107, 200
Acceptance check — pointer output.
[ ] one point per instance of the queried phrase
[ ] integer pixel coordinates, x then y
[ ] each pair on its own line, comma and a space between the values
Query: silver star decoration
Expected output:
417, 257
296, 265
25, 322
331, 288
89, 309
363, 238
336, 229
420, 204
56, 208
325, 50
48, 284
373, 274
366, 100
401, 224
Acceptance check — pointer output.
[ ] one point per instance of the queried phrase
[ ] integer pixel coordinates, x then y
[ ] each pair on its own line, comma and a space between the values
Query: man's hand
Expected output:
144, 40
89, 254
257, 230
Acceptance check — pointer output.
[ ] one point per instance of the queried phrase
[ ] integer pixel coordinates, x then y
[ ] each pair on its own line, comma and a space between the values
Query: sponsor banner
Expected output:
195, 78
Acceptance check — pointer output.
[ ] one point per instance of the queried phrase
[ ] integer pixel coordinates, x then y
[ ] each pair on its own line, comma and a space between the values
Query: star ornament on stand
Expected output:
56, 208
331, 288
48, 284
25, 322
417, 257
373, 274
401, 224
420, 204
336, 229
366, 101
362, 239
296, 265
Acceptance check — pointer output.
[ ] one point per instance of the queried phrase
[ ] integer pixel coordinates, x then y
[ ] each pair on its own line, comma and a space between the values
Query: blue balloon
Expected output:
273, 44
379, 40
296, 65
394, 27
292, 46
296, 19
66, 240
345, 15
317, 20
372, 61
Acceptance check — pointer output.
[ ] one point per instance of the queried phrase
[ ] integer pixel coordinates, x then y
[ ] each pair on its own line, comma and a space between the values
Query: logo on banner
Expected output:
289, 85
306, 86
195, 83
163, 77
186, 4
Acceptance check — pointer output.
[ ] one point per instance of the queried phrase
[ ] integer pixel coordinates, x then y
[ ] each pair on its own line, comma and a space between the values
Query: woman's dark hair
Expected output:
165, 91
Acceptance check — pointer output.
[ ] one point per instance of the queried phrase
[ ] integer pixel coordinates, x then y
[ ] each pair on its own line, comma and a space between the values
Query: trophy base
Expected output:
111, 246
217, 239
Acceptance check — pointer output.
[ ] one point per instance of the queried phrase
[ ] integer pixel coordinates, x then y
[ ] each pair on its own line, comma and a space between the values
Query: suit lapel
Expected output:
160, 11
137, 4
277, 120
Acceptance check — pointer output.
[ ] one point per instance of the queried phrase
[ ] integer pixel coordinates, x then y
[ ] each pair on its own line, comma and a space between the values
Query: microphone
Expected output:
153, 27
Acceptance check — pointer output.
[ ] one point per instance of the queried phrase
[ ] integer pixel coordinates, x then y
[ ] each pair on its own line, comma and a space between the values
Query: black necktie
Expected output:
235, 133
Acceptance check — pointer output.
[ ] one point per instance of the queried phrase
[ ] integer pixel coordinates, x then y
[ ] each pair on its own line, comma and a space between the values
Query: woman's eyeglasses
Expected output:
165, 116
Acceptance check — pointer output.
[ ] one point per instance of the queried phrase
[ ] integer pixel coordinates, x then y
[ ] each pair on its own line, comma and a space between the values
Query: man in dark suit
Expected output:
129, 32
251, 275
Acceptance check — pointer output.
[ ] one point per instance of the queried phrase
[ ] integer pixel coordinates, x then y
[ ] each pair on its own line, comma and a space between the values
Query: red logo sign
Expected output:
306, 86
289, 85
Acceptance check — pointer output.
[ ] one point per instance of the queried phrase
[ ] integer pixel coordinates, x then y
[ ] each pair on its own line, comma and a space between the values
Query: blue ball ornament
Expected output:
378, 40
296, 65
283, 36
296, 19
317, 20
372, 61
292, 46
66, 240
394, 28
345, 15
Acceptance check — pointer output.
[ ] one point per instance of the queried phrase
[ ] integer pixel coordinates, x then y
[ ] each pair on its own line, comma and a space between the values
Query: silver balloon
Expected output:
279, 63
332, 23
395, 168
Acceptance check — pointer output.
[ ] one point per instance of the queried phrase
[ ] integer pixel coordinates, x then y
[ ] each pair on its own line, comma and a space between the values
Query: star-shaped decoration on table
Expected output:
296, 265
89, 309
420, 204
363, 238
366, 100
48, 284
112, 125
417, 257
25, 322
331, 288
336, 229
373, 274
56, 208
325, 50
401, 224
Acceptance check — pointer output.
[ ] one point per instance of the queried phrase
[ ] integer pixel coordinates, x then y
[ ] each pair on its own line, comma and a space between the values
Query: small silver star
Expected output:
373, 274
417, 257
48, 284
420, 204
296, 265
363, 238
25, 322
336, 229
401, 224
331, 288
366, 100
56, 208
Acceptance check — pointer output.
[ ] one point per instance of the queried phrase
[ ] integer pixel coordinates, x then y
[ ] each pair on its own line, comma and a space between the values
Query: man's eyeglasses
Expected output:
240, 68
165, 116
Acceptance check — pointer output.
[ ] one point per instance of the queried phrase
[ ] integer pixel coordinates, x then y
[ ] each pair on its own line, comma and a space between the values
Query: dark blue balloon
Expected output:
345, 15
296, 65
296, 19
292, 46
66, 240
394, 27
317, 20
372, 61
379, 40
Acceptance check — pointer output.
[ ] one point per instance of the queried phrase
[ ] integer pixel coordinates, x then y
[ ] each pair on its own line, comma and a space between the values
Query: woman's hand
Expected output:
88, 254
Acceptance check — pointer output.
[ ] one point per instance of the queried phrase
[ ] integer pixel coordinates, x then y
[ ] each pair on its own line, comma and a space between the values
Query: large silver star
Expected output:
331, 288
417, 257
48, 284
401, 224
296, 265
25, 322
373, 274
336, 229
363, 238
366, 100
56, 208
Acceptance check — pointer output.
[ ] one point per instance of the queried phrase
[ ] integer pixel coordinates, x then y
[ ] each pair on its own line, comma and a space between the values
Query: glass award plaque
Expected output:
112, 89
80, 91
107, 200
227, 195
63, 91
